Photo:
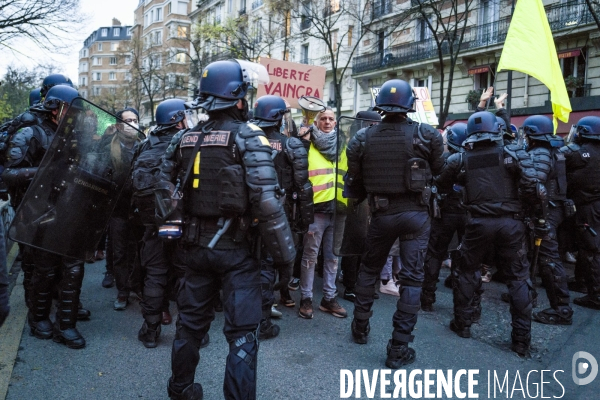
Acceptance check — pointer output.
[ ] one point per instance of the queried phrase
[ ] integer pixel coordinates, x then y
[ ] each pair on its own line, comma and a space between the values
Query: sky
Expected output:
99, 13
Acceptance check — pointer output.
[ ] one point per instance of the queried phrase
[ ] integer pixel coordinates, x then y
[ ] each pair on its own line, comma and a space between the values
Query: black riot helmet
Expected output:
269, 111
482, 122
58, 96
170, 112
52, 80
395, 96
456, 135
588, 128
224, 83
35, 96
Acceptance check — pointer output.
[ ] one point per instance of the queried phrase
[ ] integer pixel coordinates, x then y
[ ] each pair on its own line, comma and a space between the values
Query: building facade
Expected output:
103, 71
161, 50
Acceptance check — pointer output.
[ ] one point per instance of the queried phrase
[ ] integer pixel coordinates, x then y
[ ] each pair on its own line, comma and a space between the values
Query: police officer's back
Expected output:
493, 181
583, 177
226, 173
394, 162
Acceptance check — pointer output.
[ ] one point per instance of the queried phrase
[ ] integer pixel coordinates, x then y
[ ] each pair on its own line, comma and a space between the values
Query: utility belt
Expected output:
520, 216
388, 203
202, 231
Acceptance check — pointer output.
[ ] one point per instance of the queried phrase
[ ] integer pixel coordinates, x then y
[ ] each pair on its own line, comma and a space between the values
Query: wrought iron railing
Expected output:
560, 16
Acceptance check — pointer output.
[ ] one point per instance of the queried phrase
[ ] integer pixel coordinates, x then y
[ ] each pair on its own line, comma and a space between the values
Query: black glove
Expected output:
4, 306
541, 229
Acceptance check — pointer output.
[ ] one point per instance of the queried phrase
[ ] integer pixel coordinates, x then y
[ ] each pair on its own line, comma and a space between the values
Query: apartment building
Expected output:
411, 53
102, 69
160, 49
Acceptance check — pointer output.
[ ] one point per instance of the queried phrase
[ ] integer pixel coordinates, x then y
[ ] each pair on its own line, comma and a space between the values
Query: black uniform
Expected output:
232, 177
452, 220
291, 164
547, 160
583, 177
381, 158
25, 152
159, 258
492, 180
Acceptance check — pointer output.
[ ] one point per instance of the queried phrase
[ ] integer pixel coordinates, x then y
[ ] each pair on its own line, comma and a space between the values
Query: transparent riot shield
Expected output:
71, 197
352, 214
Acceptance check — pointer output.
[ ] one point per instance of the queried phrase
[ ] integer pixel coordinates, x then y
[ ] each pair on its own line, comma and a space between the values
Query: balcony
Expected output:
560, 16
256, 4
381, 8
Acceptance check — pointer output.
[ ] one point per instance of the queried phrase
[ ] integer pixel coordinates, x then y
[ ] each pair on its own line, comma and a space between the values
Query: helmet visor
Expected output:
572, 134
253, 73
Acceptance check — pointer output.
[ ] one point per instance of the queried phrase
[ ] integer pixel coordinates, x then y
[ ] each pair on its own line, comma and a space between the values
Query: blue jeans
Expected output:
320, 230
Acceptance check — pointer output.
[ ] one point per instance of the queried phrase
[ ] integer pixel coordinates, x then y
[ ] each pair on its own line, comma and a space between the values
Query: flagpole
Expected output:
509, 77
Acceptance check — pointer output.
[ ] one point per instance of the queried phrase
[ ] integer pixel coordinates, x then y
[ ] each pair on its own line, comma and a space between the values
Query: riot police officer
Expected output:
25, 152
493, 178
52, 80
543, 146
159, 257
232, 184
583, 169
291, 163
452, 218
394, 162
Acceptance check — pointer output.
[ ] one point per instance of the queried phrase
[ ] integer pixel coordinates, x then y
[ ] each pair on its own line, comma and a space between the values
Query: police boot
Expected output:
399, 354
550, 316
520, 344
360, 330
588, 301
192, 392
83, 314
38, 317
268, 329
65, 331
427, 298
149, 333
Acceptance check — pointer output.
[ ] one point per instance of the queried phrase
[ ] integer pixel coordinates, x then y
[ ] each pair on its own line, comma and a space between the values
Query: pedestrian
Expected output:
394, 162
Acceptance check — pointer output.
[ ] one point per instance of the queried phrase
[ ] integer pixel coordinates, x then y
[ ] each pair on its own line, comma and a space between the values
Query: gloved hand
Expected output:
4, 306
285, 275
541, 229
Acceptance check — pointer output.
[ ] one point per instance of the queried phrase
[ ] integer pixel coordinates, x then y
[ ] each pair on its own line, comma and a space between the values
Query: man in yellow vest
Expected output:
325, 160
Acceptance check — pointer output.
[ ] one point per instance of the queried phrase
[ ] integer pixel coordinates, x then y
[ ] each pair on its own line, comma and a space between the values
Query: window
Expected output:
304, 54
112, 90
96, 61
117, 32
146, 20
128, 76
128, 59
182, 8
350, 30
156, 38
112, 76
573, 66
168, 8
423, 31
182, 31
84, 67
483, 80
113, 61
128, 31
83, 94
104, 32
229, 6
97, 91
158, 15
83, 80
97, 76
180, 57
381, 8
99, 46
114, 46
84, 53
334, 40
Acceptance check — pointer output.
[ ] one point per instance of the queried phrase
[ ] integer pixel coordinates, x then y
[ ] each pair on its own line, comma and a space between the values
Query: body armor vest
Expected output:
556, 184
217, 151
281, 161
587, 179
487, 179
388, 147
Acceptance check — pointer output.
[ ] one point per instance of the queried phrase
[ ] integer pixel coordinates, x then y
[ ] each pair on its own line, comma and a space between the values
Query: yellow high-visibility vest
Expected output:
322, 175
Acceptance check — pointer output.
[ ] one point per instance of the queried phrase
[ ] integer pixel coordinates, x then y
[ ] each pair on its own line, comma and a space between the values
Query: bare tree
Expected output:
47, 23
341, 26
18, 82
447, 20
594, 7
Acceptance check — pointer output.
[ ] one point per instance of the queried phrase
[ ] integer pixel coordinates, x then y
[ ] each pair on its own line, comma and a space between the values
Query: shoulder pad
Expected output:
570, 148
170, 152
248, 130
454, 161
515, 151
28, 118
427, 132
361, 135
294, 143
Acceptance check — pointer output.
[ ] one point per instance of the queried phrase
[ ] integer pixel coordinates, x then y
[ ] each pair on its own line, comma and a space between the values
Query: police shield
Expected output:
352, 209
67, 205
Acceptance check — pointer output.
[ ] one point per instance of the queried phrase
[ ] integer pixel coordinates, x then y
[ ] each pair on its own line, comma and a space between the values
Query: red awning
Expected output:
563, 128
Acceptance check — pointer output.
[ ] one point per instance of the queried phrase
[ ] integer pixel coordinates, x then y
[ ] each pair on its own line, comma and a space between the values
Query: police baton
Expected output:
220, 233
540, 230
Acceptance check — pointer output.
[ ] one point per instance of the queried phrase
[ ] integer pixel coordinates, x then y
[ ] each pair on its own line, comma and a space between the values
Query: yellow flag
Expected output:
529, 48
